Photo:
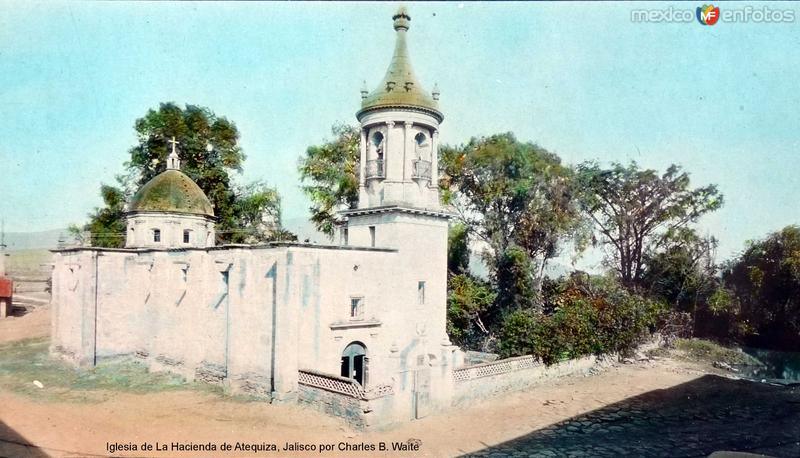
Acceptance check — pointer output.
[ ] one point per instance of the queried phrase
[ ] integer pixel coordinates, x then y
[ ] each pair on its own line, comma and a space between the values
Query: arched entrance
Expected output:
354, 362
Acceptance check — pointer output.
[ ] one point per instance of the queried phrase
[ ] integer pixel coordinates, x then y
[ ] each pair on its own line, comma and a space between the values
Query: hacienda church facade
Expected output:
356, 329
263, 319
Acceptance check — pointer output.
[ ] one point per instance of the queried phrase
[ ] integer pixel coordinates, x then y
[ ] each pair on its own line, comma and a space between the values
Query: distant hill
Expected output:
304, 229
44, 240
33, 263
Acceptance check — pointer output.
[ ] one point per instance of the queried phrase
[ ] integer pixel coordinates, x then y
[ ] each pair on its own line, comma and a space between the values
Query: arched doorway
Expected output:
354, 362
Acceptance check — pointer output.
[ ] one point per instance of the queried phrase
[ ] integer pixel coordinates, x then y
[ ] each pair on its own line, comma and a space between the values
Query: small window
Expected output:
186, 235
345, 236
356, 308
372, 236
420, 138
377, 138
421, 292
156, 235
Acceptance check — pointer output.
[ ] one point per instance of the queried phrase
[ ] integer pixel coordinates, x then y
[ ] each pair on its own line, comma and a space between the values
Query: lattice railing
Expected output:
422, 169
374, 169
342, 385
494, 368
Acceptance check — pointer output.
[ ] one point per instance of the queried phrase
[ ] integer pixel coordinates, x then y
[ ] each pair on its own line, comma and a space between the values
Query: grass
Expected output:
28, 263
24, 361
705, 350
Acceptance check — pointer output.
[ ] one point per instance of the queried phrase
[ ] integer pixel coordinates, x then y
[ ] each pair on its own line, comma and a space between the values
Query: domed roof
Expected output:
171, 191
400, 87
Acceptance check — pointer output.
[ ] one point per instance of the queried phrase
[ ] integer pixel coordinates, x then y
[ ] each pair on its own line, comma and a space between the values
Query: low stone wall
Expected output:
335, 404
344, 398
482, 381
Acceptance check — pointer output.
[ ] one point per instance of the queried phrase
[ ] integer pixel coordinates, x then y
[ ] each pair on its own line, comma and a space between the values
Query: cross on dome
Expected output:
173, 160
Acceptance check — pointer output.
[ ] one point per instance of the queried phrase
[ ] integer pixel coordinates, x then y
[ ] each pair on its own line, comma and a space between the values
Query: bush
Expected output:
519, 333
591, 316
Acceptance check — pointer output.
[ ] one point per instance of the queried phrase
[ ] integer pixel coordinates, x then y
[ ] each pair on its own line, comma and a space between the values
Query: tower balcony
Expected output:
375, 170
421, 170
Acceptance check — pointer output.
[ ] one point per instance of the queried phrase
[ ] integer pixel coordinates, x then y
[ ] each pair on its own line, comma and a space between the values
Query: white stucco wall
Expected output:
171, 309
398, 187
140, 227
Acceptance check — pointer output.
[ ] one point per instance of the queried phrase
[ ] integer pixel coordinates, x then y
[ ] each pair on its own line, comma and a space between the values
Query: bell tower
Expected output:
398, 205
399, 134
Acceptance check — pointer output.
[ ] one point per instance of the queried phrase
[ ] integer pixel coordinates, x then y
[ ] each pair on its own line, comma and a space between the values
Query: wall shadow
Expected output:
692, 419
13, 444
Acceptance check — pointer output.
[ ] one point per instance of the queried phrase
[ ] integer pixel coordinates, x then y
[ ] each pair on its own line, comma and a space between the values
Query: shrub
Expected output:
590, 316
519, 333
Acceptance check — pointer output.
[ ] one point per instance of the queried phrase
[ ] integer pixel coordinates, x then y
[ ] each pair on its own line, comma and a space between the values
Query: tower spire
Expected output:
401, 19
400, 86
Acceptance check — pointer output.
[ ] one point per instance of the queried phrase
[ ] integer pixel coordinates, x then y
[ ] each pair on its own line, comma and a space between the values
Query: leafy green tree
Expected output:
106, 224
513, 279
331, 171
458, 251
512, 193
765, 281
258, 207
468, 299
683, 273
638, 211
210, 152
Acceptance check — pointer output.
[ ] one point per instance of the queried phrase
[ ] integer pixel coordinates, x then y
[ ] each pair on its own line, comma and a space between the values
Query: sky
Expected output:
581, 79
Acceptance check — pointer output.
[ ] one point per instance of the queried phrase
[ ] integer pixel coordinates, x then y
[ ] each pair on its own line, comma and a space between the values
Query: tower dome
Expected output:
400, 87
170, 211
171, 191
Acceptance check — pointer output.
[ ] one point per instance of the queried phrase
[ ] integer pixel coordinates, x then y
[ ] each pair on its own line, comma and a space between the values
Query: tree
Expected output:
106, 224
258, 206
209, 151
458, 251
332, 172
765, 281
511, 193
683, 273
468, 298
637, 211
513, 280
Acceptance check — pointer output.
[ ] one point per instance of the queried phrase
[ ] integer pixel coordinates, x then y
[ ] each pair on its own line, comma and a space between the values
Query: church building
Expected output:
356, 328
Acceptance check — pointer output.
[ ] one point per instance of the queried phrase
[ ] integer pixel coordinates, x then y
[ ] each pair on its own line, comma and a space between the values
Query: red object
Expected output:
6, 287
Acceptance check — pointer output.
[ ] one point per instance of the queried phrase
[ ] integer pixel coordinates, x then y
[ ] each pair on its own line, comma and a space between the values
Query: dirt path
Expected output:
82, 429
33, 324
62, 429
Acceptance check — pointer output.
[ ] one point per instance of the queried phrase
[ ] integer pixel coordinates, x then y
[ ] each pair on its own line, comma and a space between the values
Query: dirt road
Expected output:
199, 420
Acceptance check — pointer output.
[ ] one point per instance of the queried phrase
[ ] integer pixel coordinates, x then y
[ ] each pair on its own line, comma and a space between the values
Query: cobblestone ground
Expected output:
690, 420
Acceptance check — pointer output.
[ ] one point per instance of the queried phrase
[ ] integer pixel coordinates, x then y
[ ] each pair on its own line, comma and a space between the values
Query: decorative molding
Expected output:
355, 324
412, 108
395, 208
